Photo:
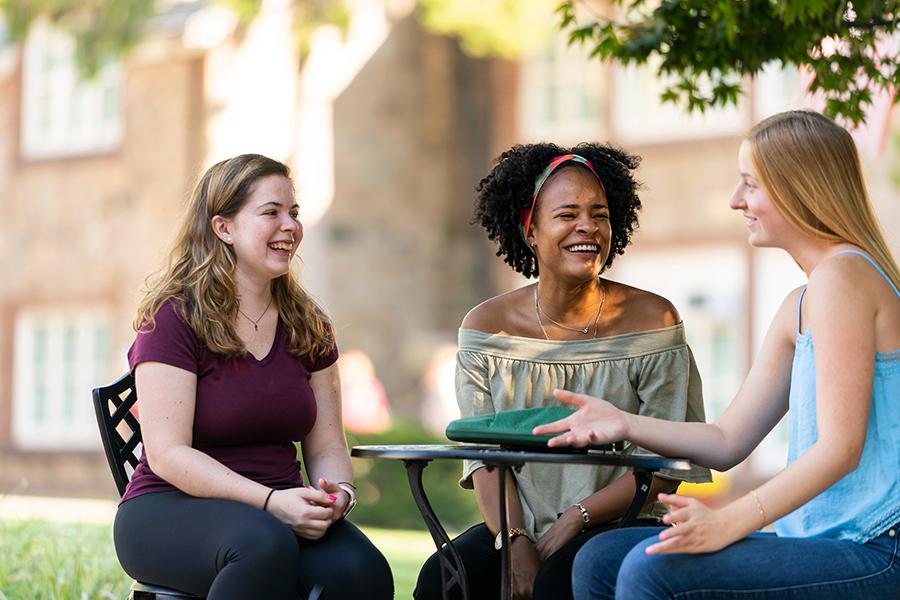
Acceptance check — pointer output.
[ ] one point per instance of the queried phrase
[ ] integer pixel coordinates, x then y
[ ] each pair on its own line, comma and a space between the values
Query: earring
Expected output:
228, 239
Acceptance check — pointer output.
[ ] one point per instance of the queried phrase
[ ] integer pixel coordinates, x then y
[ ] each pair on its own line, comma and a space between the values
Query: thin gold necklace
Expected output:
256, 322
538, 311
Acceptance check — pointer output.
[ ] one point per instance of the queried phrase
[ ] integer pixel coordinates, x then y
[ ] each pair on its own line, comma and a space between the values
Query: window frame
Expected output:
63, 115
52, 408
571, 77
639, 116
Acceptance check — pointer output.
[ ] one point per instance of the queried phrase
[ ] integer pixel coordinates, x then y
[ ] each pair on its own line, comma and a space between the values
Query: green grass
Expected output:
53, 561
406, 551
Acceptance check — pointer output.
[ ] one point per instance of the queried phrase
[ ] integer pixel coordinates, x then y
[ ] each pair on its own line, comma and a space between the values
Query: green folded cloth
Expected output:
510, 428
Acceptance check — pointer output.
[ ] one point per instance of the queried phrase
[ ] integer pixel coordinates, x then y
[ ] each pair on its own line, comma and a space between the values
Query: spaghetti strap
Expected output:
799, 304
874, 264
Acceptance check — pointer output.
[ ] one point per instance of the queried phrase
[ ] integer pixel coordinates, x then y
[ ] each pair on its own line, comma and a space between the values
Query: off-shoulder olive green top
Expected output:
649, 373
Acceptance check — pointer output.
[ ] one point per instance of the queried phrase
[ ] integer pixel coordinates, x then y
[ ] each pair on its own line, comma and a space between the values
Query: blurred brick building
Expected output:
388, 128
94, 175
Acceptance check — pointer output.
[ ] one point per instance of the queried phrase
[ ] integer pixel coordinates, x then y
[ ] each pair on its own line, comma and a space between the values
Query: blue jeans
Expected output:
614, 565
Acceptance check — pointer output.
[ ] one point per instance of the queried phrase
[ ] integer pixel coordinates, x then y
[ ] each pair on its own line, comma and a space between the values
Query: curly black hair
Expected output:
508, 189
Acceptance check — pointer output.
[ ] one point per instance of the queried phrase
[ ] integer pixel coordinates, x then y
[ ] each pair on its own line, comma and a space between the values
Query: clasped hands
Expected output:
310, 511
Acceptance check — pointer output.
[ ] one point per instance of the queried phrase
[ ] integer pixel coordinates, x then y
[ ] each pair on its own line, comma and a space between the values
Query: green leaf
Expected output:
721, 41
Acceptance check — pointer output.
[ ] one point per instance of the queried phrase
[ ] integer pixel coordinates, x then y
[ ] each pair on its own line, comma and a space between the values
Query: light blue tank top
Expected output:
865, 502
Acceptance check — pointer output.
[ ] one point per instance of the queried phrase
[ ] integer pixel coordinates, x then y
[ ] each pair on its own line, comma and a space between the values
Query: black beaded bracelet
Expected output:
269, 495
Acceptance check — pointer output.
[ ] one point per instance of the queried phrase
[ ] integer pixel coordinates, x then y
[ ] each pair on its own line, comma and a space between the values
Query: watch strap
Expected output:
511, 534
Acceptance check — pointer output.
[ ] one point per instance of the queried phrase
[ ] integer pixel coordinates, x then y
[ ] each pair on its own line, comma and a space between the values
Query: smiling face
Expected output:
767, 226
571, 229
265, 232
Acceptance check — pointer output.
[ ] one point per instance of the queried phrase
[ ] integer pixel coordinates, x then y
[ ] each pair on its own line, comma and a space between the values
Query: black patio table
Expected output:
417, 457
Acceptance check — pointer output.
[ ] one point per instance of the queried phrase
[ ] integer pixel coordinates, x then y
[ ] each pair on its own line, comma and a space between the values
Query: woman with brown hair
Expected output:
234, 362
831, 356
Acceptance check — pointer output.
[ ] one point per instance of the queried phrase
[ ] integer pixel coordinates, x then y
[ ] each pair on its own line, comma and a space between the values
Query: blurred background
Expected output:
388, 112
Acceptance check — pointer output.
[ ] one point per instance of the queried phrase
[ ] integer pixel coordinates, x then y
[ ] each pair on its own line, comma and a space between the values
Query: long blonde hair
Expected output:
199, 272
810, 167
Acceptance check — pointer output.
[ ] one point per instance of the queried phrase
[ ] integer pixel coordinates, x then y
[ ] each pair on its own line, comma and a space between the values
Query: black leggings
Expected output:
230, 550
482, 564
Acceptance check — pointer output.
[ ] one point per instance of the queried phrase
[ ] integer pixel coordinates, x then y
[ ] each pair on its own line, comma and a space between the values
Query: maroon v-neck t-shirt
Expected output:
248, 412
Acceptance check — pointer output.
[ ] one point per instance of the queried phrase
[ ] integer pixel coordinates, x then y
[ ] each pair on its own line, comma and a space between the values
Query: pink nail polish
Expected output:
332, 497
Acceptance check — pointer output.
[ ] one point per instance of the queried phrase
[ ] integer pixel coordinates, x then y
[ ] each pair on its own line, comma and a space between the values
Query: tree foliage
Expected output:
102, 29
107, 29
706, 47
505, 28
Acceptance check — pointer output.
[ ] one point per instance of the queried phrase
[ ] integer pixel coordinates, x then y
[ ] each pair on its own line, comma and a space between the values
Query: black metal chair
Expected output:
121, 435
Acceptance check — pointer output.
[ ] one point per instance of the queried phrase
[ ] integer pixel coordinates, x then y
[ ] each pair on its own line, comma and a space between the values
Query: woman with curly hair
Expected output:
562, 214
233, 363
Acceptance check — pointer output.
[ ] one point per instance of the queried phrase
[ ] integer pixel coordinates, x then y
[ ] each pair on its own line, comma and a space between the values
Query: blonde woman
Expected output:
831, 356
234, 362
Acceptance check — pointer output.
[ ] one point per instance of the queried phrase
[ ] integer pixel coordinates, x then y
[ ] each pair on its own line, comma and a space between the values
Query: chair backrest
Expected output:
119, 429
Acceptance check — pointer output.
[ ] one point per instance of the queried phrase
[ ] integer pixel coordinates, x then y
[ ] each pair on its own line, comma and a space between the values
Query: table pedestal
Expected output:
453, 572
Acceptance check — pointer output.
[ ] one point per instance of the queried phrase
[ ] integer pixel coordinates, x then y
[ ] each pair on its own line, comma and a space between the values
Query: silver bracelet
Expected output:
584, 513
351, 491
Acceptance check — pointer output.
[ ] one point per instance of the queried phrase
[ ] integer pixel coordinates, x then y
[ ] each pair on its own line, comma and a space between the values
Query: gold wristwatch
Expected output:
512, 534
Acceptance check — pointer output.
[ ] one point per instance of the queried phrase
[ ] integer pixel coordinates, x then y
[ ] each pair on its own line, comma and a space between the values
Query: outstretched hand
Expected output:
595, 422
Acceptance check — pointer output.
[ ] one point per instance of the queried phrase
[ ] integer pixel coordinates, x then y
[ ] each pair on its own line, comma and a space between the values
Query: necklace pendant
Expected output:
584, 331
256, 327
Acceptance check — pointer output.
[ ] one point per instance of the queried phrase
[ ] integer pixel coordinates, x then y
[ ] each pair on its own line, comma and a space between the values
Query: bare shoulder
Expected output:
846, 282
645, 310
843, 271
493, 315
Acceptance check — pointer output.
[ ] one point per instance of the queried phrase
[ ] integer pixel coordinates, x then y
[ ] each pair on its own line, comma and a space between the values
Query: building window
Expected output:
62, 113
60, 355
560, 94
639, 116
707, 284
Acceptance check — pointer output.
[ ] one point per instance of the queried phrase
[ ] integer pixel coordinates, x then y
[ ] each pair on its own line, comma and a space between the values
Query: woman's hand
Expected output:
305, 510
525, 563
595, 422
341, 499
697, 528
567, 526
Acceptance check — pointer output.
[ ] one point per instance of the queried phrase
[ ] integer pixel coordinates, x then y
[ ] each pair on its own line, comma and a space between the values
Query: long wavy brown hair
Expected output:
199, 272
811, 169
